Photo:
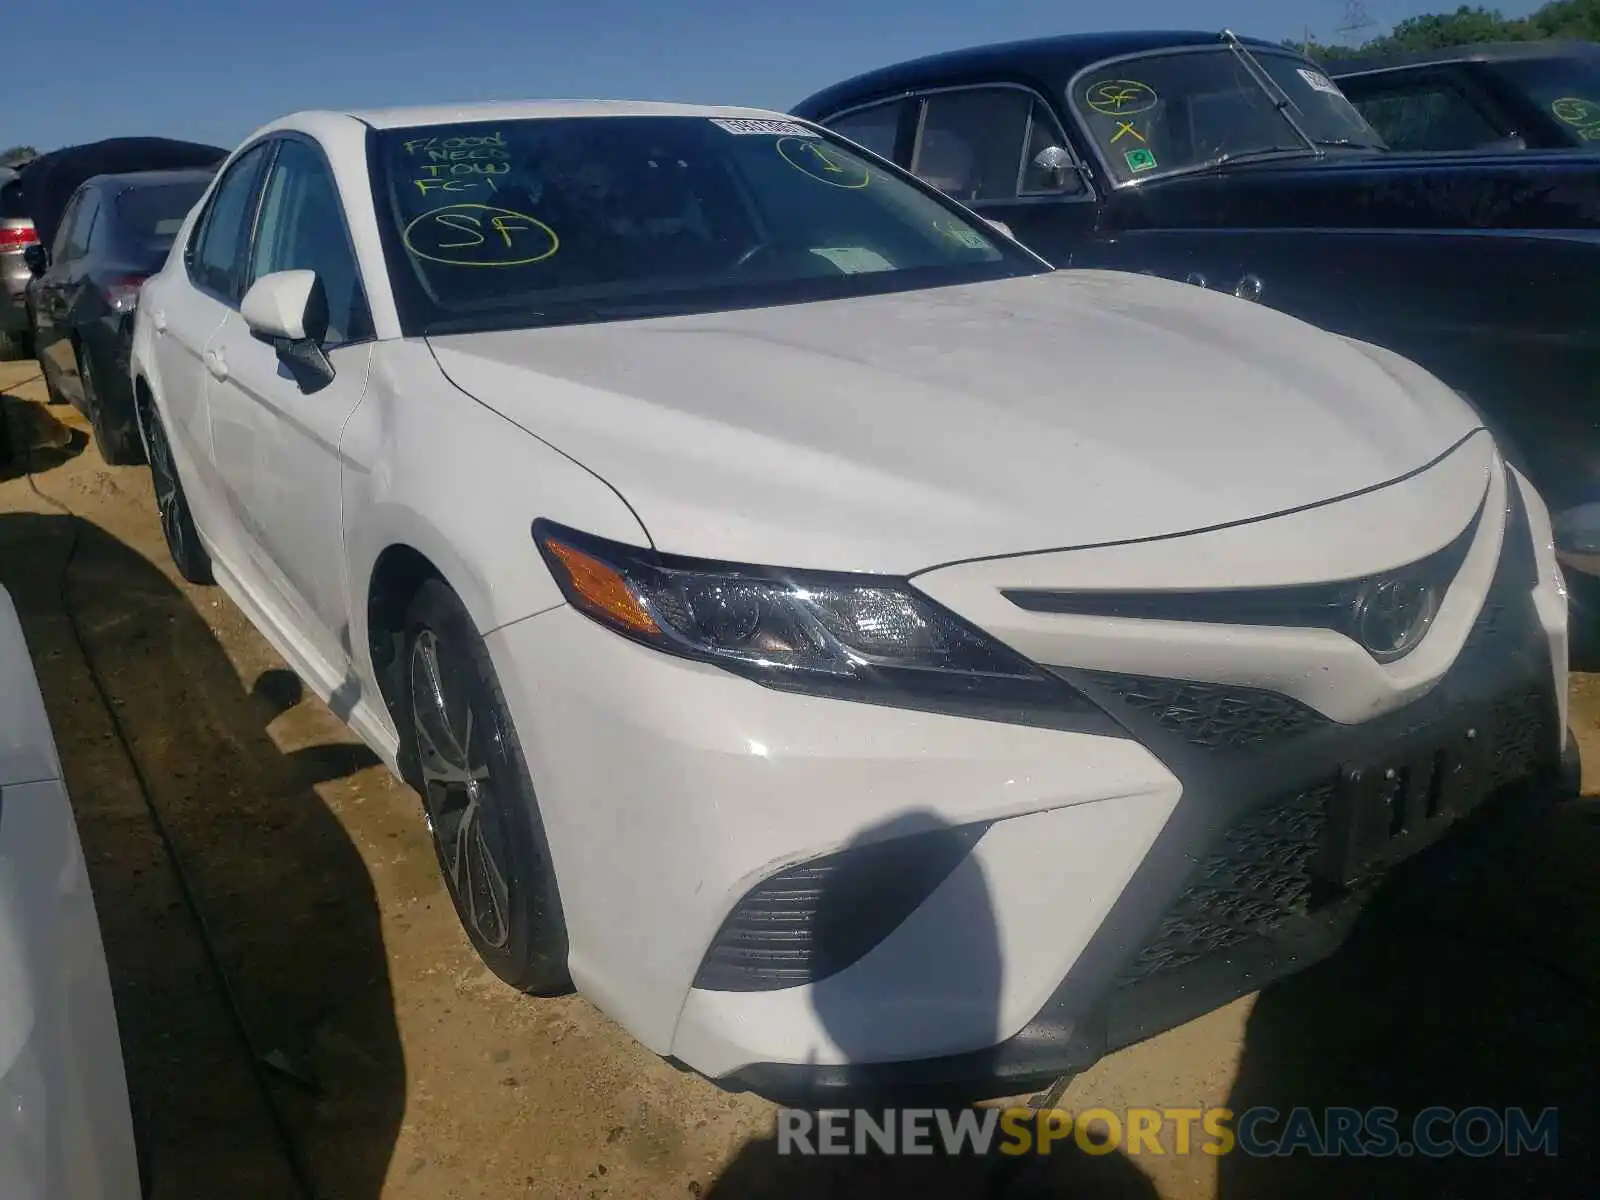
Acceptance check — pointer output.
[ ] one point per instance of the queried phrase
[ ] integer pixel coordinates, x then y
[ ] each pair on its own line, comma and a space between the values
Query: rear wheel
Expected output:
479, 798
177, 522
118, 443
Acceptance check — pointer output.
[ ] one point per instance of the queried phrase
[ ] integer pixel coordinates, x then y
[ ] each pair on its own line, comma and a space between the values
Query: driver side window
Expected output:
302, 228
984, 144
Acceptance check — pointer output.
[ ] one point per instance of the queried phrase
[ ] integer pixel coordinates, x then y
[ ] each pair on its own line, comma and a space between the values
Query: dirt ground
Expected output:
398, 1067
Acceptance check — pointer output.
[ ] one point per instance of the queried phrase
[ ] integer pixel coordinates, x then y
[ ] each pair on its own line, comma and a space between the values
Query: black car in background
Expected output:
1238, 164
1507, 95
114, 233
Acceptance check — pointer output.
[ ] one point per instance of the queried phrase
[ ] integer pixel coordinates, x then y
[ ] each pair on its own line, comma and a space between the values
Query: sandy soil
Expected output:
401, 1069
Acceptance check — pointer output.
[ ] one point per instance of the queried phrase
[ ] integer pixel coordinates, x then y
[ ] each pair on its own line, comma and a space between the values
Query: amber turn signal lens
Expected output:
602, 590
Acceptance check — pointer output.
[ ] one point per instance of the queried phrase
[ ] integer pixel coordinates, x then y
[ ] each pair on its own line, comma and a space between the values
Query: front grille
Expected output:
1258, 877
1214, 716
1261, 873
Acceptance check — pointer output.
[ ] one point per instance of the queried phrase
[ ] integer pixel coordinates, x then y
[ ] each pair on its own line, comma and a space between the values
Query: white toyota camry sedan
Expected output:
852, 654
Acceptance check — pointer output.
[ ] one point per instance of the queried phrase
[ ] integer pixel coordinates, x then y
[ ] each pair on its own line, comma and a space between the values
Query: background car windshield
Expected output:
535, 222
1179, 111
149, 217
1567, 88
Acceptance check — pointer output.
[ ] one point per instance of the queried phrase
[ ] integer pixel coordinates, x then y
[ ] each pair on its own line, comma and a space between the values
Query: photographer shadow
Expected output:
1473, 982
148, 712
967, 979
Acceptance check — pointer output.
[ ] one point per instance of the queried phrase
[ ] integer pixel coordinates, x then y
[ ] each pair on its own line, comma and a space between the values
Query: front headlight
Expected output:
862, 637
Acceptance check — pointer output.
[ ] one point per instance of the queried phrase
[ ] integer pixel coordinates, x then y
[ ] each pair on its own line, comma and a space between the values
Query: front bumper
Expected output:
1119, 881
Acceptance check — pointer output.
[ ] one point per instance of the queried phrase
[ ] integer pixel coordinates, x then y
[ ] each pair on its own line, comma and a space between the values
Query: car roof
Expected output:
137, 179
1477, 52
526, 110
1058, 57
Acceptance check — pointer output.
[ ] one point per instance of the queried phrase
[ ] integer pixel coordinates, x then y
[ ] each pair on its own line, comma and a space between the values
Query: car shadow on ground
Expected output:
972, 966
283, 896
32, 439
1474, 982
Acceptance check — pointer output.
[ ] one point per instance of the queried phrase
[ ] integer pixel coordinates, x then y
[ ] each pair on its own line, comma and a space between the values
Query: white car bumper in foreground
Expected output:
65, 1127
807, 895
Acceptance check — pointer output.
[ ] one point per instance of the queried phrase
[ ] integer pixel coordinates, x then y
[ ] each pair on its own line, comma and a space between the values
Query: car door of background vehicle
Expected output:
276, 444
55, 294
979, 144
184, 310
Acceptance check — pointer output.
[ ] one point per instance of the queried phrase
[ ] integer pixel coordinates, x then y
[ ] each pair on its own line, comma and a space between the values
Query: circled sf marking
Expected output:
1574, 110
1120, 97
480, 235
823, 163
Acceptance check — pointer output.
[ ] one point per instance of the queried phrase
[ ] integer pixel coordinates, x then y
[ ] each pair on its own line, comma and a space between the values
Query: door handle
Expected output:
158, 321
216, 364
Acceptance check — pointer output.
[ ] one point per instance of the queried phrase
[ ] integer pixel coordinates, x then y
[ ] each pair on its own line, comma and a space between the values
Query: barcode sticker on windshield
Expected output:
751, 125
1319, 81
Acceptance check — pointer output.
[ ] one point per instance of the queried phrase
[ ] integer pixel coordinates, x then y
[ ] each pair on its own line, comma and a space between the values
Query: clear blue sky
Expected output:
213, 70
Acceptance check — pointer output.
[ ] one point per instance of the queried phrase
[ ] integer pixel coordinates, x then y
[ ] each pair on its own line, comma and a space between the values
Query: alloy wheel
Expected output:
452, 752
165, 478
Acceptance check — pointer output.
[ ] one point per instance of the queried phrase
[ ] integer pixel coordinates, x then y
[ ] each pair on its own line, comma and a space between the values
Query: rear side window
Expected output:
1426, 113
217, 251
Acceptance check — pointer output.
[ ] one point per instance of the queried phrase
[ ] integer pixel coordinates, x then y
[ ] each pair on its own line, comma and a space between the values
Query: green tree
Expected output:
1569, 19
1576, 19
1462, 27
17, 155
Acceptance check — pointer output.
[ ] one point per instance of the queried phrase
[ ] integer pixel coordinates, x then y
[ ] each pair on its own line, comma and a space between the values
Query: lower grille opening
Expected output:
817, 918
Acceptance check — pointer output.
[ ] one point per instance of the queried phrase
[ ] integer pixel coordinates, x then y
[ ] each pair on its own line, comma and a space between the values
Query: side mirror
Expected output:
289, 310
1002, 227
284, 306
1054, 162
37, 258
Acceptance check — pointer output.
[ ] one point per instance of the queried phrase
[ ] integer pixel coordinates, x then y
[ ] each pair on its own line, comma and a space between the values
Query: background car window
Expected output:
877, 128
225, 226
148, 218
73, 240
302, 228
1568, 88
58, 252
971, 143
1428, 114
1039, 176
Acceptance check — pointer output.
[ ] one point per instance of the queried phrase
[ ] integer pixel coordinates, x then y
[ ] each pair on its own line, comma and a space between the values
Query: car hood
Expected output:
895, 432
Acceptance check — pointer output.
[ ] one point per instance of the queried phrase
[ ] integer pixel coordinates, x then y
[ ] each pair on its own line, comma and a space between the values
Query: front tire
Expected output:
177, 521
467, 764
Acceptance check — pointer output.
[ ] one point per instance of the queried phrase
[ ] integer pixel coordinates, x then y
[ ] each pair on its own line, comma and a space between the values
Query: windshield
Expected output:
151, 215
1185, 110
1567, 88
550, 221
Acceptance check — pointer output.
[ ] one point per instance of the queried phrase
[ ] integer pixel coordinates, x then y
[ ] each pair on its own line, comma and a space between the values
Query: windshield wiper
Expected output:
1280, 99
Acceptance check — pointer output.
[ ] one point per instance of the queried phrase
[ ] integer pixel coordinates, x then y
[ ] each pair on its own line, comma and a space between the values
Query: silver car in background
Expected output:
16, 234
